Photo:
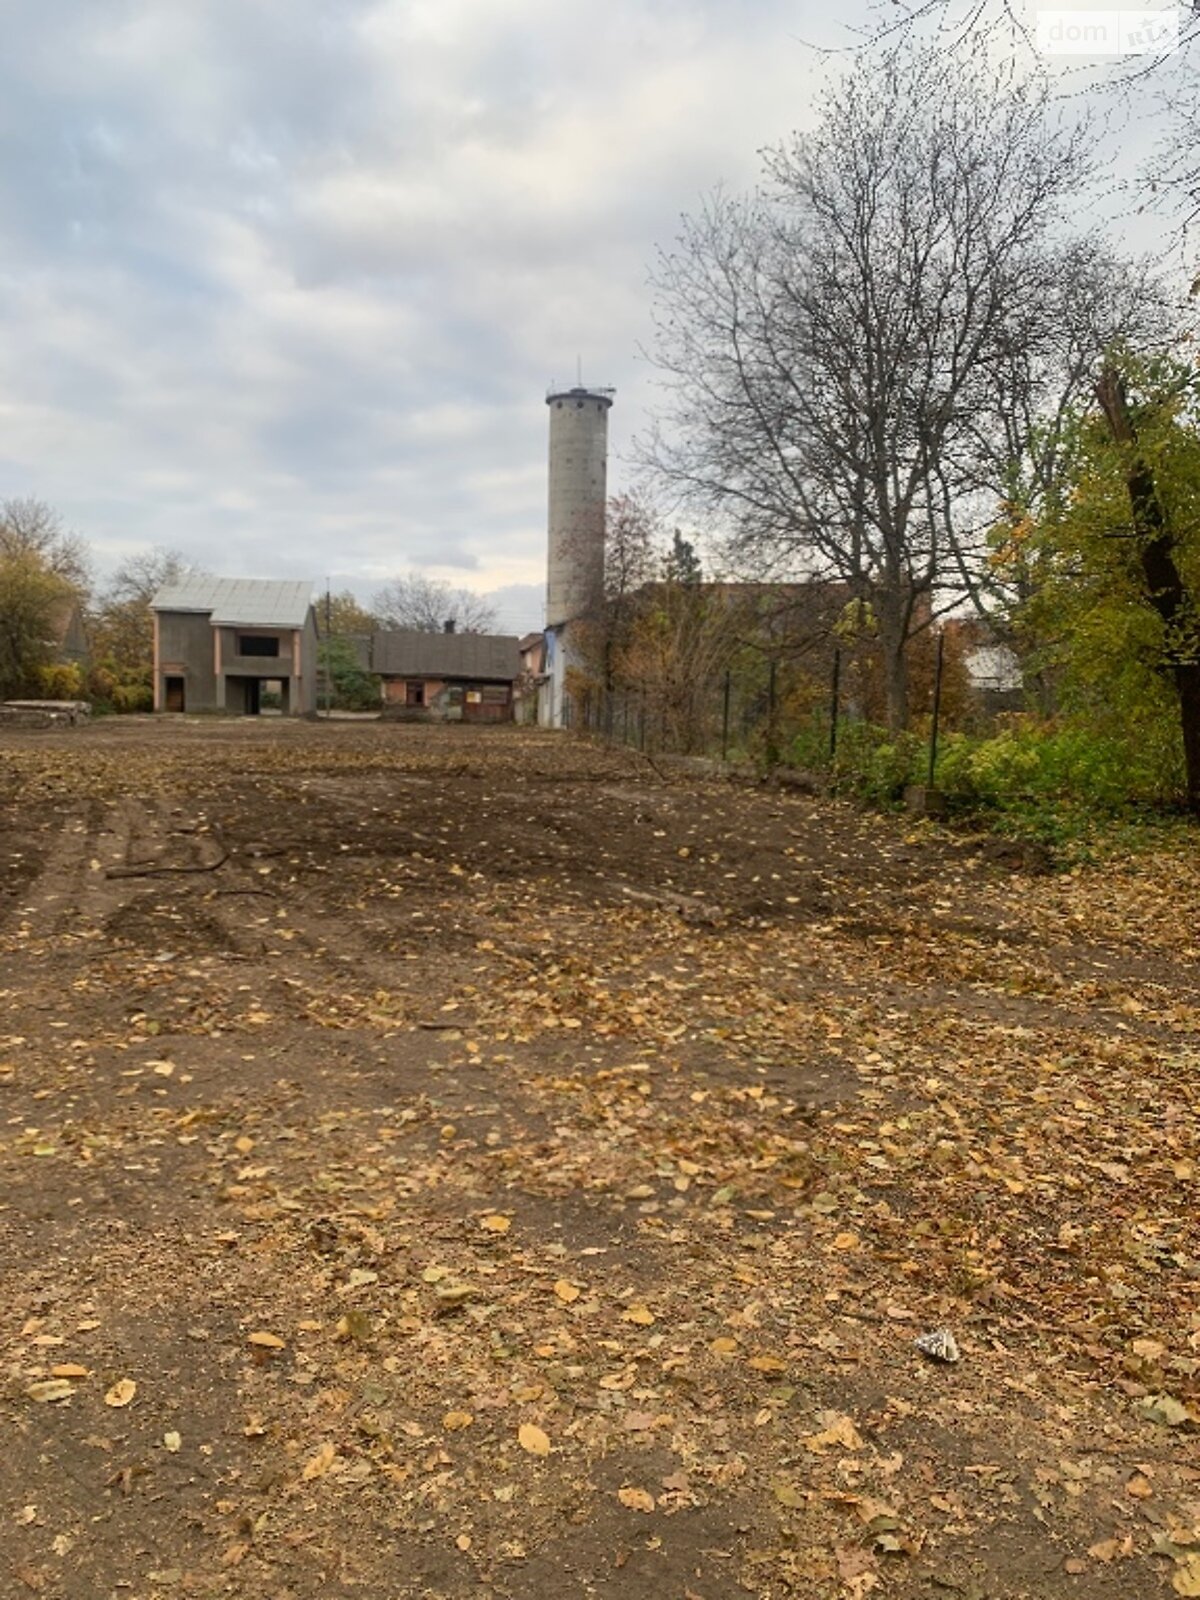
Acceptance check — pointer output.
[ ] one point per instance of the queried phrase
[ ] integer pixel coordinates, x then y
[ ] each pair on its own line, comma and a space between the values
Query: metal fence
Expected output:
764, 713
752, 714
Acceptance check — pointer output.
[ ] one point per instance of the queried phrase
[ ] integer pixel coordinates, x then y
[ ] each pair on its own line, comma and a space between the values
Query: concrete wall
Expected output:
185, 649
578, 490
305, 692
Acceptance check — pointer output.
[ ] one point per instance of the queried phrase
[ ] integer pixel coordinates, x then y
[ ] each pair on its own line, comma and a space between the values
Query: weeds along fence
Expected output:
769, 712
756, 715
997, 757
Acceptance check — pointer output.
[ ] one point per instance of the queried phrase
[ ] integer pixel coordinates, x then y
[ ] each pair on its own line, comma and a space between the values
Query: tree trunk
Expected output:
895, 672
1165, 587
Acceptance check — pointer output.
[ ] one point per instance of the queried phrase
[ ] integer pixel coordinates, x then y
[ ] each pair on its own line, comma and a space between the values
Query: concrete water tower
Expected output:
575, 544
578, 492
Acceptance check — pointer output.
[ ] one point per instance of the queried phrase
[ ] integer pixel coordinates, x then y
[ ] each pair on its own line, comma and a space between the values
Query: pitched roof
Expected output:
409, 654
239, 602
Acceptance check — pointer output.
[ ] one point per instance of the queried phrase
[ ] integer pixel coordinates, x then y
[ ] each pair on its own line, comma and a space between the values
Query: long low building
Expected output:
446, 677
222, 644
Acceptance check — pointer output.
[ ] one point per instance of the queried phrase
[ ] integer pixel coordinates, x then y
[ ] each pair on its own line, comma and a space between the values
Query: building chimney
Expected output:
448, 625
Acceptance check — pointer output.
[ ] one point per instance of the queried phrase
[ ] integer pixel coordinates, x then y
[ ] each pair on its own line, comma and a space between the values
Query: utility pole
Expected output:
328, 650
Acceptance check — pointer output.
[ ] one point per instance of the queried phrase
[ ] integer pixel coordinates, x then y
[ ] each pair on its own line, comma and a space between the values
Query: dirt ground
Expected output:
468, 1163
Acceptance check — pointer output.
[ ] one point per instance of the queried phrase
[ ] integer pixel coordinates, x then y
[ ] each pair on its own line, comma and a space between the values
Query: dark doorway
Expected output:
173, 694
253, 688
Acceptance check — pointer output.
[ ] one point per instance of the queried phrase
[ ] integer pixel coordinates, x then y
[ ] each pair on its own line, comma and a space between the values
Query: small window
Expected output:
257, 644
414, 694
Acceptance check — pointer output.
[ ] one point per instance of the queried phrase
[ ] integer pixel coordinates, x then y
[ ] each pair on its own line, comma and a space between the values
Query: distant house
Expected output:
220, 644
532, 650
992, 667
446, 677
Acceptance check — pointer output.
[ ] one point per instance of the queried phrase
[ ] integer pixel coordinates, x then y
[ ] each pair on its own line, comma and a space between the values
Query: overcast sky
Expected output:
284, 281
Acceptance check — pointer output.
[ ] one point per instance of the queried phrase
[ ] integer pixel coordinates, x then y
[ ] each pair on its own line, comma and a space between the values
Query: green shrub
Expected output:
1051, 779
60, 681
132, 697
1069, 764
874, 764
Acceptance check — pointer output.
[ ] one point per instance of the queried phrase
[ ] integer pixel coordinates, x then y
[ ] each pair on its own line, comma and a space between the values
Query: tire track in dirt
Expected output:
51, 902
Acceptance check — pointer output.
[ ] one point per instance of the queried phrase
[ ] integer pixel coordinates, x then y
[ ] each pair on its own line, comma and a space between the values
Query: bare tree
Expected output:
633, 540
840, 350
680, 639
31, 527
1154, 78
140, 576
122, 625
425, 605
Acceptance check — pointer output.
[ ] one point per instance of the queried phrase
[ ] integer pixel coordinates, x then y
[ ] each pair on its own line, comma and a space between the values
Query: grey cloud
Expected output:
284, 282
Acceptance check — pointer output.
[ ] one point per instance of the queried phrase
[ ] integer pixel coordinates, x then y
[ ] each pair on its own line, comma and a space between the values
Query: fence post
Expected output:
834, 706
937, 706
772, 752
725, 718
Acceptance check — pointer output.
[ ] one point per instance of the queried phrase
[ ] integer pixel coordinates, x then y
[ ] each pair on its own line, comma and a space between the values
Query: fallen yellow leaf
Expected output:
318, 1465
267, 1341
121, 1393
566, 1291
51, 1389
636, 1499
641, 1315
1109, 1549
531, 1438
454, 1421
841, 1431
496, 1222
